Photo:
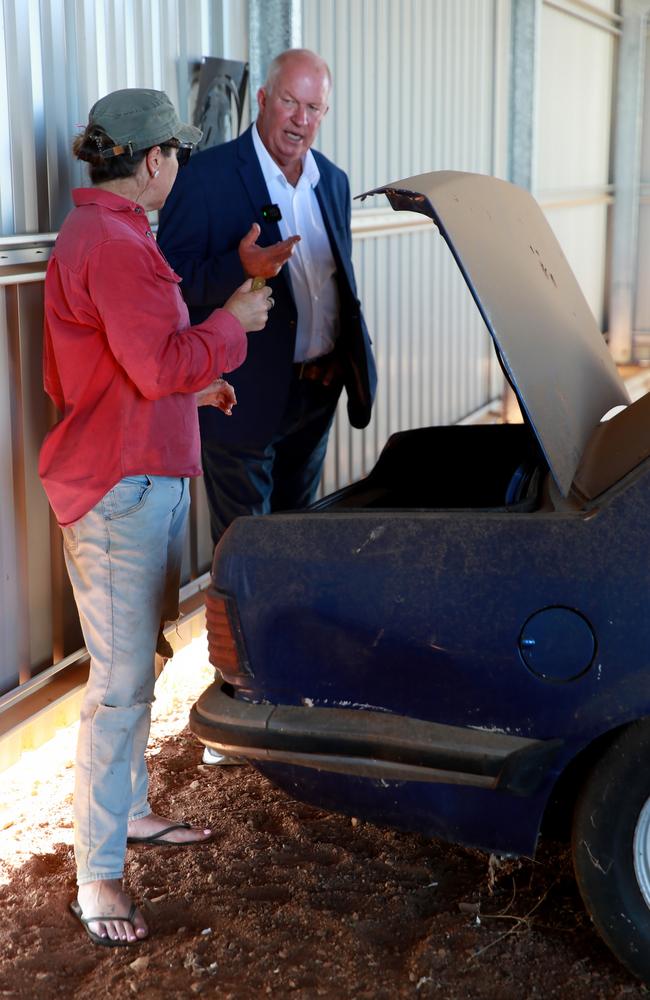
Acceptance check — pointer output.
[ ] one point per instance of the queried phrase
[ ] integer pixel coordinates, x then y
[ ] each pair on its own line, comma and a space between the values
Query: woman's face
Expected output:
155, 177
162, 184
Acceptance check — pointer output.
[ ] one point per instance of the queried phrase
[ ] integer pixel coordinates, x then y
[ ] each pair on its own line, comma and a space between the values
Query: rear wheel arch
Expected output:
557, 819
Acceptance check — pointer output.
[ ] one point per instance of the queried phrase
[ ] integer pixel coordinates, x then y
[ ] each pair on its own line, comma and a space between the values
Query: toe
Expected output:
198, 833
131, 930
195, 835
101, 929
138, 926
114, 930
126, 932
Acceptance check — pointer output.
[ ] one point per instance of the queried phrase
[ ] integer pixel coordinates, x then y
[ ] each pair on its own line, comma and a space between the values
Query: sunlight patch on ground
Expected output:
36, 801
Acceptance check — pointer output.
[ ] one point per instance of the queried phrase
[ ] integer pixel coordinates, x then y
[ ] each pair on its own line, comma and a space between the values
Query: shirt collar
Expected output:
270, 168
107, 199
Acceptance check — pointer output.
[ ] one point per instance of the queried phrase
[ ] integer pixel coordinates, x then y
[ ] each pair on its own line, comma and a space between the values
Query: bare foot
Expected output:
106, 899
151, 825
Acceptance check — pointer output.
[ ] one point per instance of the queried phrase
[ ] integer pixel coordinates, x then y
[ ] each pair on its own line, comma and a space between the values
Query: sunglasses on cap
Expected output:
183, 151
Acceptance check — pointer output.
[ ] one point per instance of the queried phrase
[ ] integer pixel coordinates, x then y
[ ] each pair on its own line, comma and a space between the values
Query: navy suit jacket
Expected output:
212, 205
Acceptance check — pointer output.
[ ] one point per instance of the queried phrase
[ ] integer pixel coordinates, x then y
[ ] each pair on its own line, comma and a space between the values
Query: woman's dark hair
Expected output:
89, 145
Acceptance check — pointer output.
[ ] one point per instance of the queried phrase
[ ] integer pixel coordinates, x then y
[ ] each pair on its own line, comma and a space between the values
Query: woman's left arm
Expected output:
147, 325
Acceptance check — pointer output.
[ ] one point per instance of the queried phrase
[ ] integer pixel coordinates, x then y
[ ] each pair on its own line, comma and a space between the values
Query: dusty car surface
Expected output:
459, 644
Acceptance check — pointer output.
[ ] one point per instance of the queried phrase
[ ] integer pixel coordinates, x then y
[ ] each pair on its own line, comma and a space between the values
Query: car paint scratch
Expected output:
372, 537
351, 704
493, 729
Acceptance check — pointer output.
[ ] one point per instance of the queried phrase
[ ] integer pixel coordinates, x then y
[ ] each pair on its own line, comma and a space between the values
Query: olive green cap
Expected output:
136, 118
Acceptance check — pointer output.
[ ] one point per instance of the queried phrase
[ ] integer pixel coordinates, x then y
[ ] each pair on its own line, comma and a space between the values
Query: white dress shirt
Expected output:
311, 265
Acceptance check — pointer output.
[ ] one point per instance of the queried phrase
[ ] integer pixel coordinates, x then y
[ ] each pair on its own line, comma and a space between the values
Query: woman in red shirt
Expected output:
126, 371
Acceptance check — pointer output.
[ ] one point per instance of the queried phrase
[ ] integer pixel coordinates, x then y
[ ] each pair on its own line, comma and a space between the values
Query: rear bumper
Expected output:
371, 744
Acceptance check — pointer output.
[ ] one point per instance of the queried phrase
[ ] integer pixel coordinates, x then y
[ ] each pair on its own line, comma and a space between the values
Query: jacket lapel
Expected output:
255, 187
257, 192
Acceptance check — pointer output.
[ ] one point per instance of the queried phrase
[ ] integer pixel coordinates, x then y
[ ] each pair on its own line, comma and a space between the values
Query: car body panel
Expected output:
421, 613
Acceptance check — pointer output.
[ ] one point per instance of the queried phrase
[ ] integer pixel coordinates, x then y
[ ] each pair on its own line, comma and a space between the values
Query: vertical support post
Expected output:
274, 25
193, 530
58, 573
9, 643
525, 17
525, 24
19, 492
627, 178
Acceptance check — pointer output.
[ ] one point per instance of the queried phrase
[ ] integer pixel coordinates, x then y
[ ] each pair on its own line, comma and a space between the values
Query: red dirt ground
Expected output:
289, 901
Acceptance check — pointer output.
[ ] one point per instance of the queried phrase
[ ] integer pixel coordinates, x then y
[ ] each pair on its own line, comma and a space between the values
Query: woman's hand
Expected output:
220, 394
250, 308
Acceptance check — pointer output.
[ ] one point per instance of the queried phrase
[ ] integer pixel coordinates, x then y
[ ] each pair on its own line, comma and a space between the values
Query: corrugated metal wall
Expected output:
572, 176
419, 85
57, 58
416, 88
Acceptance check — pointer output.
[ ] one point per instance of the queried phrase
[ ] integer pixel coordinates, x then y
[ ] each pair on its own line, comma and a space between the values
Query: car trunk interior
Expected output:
484, 466
493, 467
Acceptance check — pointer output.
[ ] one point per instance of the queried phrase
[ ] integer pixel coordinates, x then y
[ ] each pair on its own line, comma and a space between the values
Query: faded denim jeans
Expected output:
124, 561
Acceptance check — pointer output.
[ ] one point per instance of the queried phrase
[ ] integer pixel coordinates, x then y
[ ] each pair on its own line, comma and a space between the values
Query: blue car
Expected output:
459, 644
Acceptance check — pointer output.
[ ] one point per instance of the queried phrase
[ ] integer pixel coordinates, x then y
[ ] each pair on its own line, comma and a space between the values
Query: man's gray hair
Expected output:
289, 55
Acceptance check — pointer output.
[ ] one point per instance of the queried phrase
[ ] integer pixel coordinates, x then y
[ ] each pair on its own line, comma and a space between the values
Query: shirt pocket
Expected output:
171, 302
166, 274
164, 269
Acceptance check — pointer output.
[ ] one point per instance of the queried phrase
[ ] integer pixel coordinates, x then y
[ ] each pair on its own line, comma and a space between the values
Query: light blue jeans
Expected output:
124, 561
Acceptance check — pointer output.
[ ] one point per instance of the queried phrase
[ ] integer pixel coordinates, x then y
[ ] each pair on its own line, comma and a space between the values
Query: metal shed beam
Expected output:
274, 25
627, 177
525, 22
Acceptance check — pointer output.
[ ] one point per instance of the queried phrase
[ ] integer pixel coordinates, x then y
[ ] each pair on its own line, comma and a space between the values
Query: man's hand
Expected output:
220, 394
264, 262
250, 308
333, 373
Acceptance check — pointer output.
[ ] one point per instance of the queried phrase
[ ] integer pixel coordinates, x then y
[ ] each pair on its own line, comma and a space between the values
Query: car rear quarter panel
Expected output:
421, 612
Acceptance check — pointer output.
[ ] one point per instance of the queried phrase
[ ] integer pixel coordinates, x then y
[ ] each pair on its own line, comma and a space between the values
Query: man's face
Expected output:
292, 109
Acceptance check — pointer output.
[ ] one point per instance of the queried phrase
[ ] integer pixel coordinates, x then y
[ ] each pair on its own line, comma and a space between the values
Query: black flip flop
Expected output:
106, 942
157, 838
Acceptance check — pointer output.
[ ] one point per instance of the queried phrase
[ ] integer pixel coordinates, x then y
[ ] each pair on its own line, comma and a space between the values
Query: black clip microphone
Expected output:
271, 213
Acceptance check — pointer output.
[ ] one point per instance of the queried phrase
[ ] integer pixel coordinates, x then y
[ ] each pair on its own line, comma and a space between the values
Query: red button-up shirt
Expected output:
121, 361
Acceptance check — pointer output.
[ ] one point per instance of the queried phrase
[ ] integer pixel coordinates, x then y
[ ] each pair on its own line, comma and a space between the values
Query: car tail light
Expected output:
225, 640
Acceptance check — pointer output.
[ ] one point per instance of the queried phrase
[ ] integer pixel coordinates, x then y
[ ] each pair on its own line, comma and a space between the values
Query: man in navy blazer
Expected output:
224, 220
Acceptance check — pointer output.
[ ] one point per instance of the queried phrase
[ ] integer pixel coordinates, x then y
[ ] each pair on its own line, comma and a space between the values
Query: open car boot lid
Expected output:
547, 339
